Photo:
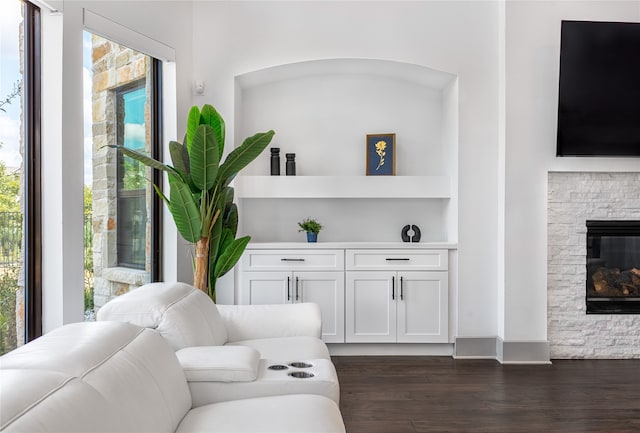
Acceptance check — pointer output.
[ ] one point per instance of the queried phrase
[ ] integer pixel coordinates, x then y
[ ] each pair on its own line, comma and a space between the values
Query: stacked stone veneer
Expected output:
574, 198
114, 66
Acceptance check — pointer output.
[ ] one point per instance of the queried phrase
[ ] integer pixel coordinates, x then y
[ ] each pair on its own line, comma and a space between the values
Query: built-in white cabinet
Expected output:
385, 296
290, 276
396, 296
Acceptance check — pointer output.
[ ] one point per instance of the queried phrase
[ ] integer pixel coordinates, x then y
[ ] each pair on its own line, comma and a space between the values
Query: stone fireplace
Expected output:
573, 199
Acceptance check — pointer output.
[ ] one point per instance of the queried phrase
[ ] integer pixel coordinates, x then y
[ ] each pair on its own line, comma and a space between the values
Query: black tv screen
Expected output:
599, 92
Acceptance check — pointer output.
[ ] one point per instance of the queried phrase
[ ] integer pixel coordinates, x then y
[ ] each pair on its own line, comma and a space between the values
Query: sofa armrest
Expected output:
219, 363
251, 322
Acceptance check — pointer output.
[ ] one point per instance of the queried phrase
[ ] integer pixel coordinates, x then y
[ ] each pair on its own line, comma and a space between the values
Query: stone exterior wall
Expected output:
574, 198
114, 66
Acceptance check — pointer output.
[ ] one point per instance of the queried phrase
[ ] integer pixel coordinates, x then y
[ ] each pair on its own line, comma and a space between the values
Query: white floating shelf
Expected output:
343, 186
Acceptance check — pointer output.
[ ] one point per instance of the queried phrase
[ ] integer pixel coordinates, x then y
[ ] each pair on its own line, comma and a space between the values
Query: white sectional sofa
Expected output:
231, 352
117, 377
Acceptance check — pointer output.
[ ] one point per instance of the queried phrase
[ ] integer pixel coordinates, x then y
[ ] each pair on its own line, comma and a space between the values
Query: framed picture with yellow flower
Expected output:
381, 154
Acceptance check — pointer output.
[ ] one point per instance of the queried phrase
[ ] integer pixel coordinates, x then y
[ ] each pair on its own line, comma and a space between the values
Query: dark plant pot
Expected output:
312, 237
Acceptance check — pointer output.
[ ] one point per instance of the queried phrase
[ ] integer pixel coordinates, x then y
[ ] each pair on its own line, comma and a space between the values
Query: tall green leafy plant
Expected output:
200, 198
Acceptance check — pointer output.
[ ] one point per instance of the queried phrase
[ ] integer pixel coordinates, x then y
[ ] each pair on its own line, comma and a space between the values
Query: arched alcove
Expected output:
322, 111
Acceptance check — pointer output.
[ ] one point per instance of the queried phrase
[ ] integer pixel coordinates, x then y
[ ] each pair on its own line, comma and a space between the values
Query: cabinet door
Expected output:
370, 307
259, 288
327, 290
423, 307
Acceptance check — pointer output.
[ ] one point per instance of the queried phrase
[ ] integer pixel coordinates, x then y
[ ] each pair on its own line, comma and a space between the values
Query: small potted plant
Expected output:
312, 227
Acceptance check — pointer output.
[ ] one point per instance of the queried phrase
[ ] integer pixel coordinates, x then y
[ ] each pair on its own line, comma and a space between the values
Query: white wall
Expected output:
216, 41
63, 149
532, 66
233, 38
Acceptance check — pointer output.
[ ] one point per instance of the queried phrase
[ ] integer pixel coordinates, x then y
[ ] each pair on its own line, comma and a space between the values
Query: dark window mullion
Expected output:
156, 175
32, 173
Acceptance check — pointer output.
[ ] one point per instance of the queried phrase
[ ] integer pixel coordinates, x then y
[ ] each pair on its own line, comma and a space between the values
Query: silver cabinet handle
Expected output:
401, 290
291, 260
288, 288
297, 293
397, 259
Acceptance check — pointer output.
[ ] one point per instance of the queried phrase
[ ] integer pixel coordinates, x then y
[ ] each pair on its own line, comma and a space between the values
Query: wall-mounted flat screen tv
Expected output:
599, 92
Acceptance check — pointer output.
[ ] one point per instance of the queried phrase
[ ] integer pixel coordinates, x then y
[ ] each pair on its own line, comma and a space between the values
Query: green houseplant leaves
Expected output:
200, 198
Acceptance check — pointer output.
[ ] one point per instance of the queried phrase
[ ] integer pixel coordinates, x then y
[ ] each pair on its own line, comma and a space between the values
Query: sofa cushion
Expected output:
283, 414
50, 401
219, 363
72, 349
144, 383
182, 314
13, 404
110, 370
287, 349
251, 322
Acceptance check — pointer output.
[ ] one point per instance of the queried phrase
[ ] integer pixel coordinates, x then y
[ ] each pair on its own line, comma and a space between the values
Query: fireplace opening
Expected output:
613, 267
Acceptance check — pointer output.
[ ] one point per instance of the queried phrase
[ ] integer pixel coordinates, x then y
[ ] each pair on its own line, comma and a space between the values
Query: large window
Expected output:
132, 203
20, 289
122, 91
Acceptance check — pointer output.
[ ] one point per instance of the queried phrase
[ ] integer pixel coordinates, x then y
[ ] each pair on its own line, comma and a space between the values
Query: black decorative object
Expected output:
417, 234
275, 161
405, 233
414, 236
291, 164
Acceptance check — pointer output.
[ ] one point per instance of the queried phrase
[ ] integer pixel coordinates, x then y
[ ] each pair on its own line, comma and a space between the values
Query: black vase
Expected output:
275, 161
291, 164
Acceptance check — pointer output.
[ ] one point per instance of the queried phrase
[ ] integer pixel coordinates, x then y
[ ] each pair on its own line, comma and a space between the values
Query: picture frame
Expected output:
381, 154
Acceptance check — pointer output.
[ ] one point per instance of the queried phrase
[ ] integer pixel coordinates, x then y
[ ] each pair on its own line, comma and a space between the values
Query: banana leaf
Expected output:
231, 219
209, 116
179, 157
184, 209
230, 256
204, 158
193, 121
242, 155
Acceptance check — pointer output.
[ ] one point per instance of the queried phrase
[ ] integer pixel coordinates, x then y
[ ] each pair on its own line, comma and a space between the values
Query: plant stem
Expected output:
201, 274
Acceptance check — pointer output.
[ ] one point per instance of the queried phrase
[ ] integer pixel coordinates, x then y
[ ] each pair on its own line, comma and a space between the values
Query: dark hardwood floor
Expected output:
440, 394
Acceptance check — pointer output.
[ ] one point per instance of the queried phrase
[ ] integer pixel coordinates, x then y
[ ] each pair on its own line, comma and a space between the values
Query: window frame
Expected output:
155, 216
157, 225
121, 193
32, 213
